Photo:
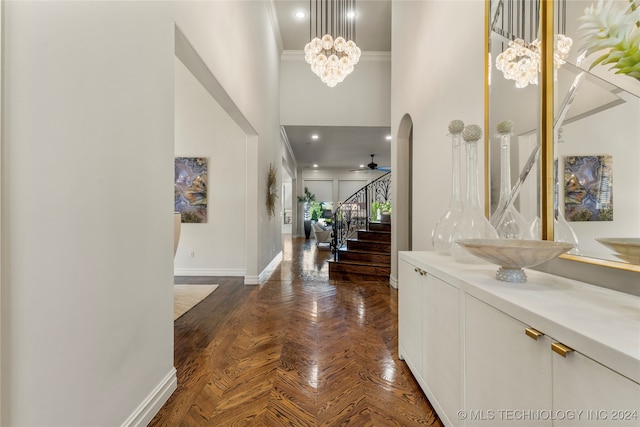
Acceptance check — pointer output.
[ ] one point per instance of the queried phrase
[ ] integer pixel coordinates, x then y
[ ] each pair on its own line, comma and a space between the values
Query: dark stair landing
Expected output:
366, 256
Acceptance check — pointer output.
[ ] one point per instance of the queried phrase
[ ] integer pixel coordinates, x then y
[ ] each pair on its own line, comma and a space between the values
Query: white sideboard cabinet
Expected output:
429, 336
504, 367
549, 352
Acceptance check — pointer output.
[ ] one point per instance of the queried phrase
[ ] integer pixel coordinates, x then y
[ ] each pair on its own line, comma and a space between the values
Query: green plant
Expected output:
375, 207
307, 199
380, 207
316, 210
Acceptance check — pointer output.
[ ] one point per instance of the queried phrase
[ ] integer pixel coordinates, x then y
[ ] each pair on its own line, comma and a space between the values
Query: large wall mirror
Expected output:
593, 152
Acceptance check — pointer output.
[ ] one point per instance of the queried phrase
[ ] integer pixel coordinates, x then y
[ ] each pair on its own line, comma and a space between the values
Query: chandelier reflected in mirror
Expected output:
518, 22
332, 51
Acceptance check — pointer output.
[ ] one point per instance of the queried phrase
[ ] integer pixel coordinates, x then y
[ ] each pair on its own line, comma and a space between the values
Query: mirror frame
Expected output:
546, 119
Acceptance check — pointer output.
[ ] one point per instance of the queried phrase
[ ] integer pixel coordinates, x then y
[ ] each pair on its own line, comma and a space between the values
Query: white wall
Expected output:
437, 76
362, 99
87, 229
348, 188
321, 188
87, 203
204, 129
236, 42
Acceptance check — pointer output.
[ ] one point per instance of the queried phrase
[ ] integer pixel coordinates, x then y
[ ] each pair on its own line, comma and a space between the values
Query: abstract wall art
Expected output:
588, 188
191, 180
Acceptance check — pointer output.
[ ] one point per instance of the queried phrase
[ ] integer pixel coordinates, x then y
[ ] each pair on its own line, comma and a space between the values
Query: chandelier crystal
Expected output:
333, 52
521, 60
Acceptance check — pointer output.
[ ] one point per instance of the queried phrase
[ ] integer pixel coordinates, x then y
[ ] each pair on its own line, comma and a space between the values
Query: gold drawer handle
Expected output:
533, 333
561, 349
419, 271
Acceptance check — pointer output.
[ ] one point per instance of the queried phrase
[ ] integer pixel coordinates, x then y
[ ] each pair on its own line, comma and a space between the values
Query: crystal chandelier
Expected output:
521, 60
519, 22
333, 52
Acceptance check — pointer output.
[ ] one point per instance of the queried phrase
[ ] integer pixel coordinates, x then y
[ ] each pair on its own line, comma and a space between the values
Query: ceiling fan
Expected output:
373, 166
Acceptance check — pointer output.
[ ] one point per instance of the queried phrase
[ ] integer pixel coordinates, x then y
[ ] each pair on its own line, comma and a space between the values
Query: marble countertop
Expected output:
600, 323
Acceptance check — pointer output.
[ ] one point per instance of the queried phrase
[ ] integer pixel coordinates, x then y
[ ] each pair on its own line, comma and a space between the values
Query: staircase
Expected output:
362, 247
368, 255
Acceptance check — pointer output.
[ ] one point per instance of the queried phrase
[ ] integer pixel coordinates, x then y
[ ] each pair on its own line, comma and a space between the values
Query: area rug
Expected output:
185, 297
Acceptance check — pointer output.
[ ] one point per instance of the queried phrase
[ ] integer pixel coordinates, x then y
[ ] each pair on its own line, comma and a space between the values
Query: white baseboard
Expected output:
145, 412
251, 280
208, 272
269, 268
393, 281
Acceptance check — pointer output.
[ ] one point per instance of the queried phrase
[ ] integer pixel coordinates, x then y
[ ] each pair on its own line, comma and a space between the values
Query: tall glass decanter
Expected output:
562, 231
506, 219
473, 225
442, 234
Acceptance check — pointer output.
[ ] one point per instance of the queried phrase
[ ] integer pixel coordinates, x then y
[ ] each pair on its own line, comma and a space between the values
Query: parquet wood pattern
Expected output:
298, 350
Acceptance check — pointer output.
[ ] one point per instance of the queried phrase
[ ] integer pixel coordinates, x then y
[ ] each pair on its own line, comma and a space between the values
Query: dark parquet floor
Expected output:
297, 350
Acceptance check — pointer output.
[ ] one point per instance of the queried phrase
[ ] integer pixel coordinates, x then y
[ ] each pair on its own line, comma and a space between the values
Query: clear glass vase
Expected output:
442, 234
563, 232
508, 222
473, 225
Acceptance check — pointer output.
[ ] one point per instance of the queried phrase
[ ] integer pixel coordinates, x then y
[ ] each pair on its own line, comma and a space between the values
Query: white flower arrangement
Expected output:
613, 25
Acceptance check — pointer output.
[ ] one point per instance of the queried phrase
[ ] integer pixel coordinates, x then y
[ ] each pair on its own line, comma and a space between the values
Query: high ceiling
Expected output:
343, 148
373, 24
339, 147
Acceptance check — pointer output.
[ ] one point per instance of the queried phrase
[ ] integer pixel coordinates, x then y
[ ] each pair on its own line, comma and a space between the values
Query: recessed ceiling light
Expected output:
388, 137
351, 15
314, 136
315, 165
361, 166
300, 14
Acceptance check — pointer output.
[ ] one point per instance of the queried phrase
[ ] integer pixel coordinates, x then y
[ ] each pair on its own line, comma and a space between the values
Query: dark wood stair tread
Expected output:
368, 254
363, 263
361, 251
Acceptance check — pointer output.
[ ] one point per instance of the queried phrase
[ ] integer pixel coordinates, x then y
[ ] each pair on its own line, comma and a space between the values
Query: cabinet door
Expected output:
441, 365
410, 317
586, 393
506, 371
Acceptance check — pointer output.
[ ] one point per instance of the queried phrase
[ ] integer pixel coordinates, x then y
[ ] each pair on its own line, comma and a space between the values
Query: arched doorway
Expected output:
402, 190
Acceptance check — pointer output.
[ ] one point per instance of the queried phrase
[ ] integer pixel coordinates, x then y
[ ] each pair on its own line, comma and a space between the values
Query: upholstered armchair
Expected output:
322, 235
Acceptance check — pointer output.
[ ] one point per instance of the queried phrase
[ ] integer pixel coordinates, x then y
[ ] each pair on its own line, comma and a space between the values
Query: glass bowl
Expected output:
626, 248
512, 255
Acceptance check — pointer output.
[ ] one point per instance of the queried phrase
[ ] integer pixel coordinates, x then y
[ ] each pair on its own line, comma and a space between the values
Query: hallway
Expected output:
298, 350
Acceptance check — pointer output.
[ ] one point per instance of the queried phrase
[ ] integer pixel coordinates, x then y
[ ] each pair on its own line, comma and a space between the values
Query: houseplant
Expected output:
381, 211
385, 211
307, 199
316, 211
375, 211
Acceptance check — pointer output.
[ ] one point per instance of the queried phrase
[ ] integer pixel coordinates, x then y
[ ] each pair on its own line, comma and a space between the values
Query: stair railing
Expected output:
355, 212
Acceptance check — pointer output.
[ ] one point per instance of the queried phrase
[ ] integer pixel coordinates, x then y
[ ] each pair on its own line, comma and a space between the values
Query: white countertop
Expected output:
600, 323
